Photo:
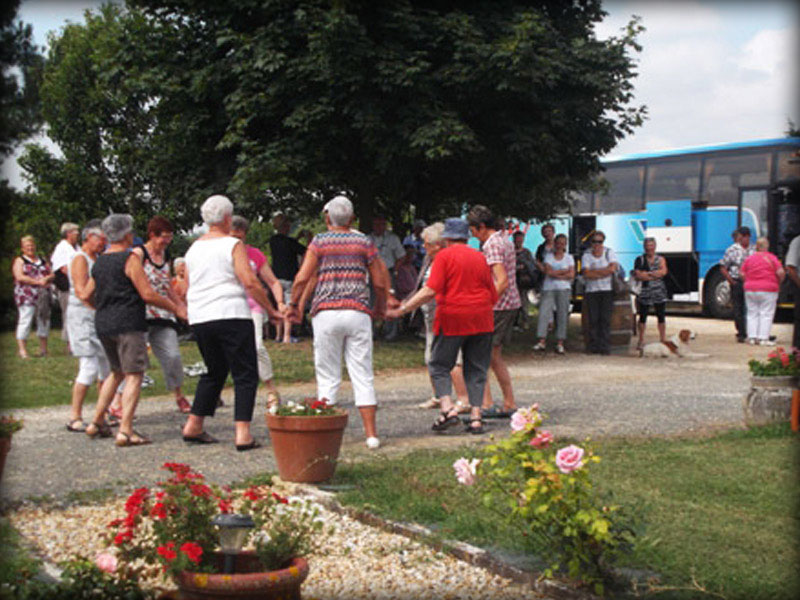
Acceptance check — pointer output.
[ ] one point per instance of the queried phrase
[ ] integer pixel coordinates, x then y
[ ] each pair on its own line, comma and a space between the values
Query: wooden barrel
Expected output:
622, 323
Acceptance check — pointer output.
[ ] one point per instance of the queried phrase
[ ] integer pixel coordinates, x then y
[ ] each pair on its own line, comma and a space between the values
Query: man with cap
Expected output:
730, 267
462, 283
415, 239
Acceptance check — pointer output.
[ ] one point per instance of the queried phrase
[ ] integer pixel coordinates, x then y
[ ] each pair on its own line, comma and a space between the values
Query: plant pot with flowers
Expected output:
774, 383
306, 437
172, 529
8, 427
546, 493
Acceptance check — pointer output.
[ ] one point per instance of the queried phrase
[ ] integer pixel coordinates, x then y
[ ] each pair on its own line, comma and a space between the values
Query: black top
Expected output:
120, 308
285, 252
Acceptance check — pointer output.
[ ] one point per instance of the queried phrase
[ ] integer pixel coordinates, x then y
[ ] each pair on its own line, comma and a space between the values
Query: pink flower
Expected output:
542, 439
465, 470
570, 458
526, 418
106, 562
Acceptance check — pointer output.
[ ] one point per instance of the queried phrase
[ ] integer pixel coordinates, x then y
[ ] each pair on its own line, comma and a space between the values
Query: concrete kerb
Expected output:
550, 588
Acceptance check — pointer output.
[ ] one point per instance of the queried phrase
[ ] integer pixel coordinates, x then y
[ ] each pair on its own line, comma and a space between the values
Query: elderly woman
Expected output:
162, 334
559, 271
120, 290
32, 276
219, 280
650, 269
340, 259
84, 343
260, 266
462, 283
762, 273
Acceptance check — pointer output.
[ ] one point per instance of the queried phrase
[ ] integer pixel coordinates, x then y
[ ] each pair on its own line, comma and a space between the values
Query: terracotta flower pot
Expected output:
306, 448
5, 446
247, 583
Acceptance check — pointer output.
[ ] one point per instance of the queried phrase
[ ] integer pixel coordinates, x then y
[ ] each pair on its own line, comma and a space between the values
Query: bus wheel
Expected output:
717, 300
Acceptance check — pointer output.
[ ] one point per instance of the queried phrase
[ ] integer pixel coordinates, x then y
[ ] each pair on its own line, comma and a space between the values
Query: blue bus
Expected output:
690, 201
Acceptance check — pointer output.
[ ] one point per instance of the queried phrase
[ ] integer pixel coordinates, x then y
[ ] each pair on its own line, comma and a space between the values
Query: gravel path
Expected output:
583, 395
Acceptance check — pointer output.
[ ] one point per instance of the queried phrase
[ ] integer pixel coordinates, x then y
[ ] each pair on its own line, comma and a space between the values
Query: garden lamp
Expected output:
232, 533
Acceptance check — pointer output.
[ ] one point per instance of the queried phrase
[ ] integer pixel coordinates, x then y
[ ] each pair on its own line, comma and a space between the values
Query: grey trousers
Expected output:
63, 300
477, 354
163, 341
548, 300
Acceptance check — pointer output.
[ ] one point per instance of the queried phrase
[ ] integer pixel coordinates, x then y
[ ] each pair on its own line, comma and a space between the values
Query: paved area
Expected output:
583, 395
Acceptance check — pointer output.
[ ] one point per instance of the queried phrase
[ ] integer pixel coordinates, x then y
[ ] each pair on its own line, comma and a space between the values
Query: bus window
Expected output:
788, 165
673, 180
625, 190
723, 175
754, 203
581, 202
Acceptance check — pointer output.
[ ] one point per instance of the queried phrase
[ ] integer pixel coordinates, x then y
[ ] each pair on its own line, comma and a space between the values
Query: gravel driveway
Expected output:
583, 395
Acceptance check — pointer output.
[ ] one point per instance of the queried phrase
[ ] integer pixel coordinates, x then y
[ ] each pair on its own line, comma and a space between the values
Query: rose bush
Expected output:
778, 363
547, 493
169, 529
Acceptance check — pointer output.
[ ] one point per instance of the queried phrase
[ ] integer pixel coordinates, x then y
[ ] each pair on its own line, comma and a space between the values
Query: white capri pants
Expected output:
163, 341
92, 368
25, 322
347, 332
264, 361
760, 311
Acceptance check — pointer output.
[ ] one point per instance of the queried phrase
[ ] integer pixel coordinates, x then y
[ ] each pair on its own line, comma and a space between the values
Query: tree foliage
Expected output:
281, 103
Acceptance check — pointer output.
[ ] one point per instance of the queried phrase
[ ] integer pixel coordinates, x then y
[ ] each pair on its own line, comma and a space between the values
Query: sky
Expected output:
711, 71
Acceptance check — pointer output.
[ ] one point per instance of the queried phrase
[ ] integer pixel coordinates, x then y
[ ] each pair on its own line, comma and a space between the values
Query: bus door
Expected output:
783, 217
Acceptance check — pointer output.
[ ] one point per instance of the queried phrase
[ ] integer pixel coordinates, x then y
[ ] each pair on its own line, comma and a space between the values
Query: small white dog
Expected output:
676, 347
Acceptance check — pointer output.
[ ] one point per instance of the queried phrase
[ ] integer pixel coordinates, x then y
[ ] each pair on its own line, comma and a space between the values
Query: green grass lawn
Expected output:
722, 511
48, 382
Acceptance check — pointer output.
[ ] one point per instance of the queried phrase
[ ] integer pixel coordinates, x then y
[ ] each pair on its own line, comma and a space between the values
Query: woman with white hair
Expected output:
340, 260
84, 343
120, 290
219, 280
762, 273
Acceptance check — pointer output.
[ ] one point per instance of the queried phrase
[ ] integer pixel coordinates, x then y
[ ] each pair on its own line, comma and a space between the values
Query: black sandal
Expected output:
446, 419
102, 430
476, 430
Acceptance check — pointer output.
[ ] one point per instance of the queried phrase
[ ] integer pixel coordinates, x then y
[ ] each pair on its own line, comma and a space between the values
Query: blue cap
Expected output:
455, 229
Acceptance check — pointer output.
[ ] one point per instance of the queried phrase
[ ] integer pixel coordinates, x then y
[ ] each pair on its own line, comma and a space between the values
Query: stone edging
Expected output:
466, 552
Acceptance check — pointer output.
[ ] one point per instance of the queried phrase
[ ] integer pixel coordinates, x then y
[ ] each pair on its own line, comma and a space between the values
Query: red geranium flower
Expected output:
200, 490
280, 499
251, 494
193, 551
168, 551
158, 511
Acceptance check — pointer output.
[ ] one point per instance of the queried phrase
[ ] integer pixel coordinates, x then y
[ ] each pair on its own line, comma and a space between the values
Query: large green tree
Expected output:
282, 102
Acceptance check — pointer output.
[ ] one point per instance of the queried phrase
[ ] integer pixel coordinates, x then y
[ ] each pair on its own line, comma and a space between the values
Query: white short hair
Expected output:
433, 233
68, 227
117, 226
340, 211
215, 209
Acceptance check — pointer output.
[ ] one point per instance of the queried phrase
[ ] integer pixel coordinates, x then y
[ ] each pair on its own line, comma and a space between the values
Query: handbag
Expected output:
618, 283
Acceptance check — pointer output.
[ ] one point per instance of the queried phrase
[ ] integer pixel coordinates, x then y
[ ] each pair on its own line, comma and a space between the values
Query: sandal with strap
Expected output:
446, 419
183, 405
136, 439
102, 430
476, 430
76, 425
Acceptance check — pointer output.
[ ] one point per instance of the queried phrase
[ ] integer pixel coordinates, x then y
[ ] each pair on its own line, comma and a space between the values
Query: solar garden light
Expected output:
233, 531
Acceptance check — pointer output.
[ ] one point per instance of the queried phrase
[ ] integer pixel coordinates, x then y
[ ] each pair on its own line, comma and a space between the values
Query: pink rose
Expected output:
526, 418
542, 439
106, 561
570, 458
465, 470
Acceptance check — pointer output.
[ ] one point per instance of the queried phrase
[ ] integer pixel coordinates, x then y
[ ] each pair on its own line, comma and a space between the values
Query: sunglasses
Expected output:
597, 241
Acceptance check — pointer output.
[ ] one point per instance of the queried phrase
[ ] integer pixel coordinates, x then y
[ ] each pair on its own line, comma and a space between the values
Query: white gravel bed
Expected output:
356, 561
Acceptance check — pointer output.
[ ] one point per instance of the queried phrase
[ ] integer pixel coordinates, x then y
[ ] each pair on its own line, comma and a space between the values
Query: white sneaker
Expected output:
767, 343
559, 349
539, 347
751, 341
373, 443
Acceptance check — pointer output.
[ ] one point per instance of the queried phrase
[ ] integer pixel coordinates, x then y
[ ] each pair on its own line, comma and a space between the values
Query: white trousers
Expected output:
760, 311
264, 361
25, 322
347, 332
92, 368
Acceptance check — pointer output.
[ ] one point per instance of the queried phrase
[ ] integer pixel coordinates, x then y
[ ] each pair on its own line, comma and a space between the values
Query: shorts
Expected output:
503, 326
126, 352
660, 310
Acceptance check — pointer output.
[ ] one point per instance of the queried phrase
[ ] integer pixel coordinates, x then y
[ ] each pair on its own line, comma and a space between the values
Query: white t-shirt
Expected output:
215, 293
793, 253
590, 261
551, 283
62, 255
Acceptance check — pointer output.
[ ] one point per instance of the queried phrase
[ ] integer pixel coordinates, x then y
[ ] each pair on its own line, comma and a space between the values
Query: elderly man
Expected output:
62, 256
340, 259
390, 250
730, 267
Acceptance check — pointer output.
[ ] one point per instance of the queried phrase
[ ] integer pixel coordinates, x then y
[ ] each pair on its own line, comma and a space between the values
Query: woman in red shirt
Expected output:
465, 295
762, 273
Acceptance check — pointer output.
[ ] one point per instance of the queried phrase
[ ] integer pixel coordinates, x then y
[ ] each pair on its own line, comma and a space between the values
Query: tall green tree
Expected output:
281, 103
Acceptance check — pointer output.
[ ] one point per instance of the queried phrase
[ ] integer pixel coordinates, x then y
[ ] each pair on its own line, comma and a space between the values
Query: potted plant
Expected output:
171, 529
8, 426
774, 383
306, 438
546, 492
